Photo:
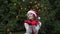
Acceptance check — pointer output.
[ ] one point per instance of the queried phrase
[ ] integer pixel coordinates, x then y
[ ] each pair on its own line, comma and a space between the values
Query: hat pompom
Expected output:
38, 18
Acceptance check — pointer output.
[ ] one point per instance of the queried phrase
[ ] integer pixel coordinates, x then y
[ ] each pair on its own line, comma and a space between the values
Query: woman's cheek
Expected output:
30, 17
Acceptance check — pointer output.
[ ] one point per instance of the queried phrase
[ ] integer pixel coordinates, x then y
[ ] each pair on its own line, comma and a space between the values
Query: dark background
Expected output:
13, 12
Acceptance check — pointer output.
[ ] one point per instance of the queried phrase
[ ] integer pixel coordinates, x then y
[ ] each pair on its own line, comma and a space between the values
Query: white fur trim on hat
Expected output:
31, 11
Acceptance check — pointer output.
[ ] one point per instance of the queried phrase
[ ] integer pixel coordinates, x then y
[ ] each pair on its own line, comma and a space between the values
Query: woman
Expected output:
32, 24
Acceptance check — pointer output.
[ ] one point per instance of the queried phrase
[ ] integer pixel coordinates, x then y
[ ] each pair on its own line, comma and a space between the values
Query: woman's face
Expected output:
30, 16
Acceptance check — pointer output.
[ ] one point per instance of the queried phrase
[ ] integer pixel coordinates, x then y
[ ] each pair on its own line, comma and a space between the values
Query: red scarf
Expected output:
31, 22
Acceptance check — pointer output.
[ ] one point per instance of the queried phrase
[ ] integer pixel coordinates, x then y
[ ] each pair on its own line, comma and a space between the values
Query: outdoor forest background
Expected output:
13, 12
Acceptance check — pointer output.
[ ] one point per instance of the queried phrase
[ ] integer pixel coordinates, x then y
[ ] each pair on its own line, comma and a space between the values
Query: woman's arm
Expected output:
39, 23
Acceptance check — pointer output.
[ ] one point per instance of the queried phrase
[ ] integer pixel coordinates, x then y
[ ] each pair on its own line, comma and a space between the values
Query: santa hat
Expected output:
34, 12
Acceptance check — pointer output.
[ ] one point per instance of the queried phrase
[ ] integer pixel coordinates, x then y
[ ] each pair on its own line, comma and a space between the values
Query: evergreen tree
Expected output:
13, 12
